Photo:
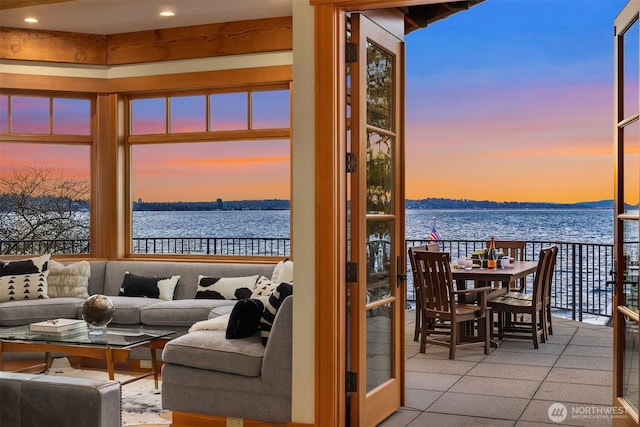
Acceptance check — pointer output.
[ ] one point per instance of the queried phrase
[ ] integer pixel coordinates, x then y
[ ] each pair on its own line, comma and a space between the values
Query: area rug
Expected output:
141, 401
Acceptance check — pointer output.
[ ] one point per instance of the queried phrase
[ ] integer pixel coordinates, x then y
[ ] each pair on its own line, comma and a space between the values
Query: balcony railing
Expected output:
579, 288
582, 271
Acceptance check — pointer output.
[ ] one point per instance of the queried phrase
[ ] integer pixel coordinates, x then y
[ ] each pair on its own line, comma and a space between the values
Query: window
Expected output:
210, 173
45, 157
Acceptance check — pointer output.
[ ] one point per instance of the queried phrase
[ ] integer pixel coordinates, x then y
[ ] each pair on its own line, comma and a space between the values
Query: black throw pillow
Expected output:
244, 318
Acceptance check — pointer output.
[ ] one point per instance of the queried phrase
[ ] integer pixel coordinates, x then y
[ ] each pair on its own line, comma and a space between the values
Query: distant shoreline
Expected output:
429, 203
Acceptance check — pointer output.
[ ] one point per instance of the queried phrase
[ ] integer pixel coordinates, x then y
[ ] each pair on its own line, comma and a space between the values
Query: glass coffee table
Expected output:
113, 347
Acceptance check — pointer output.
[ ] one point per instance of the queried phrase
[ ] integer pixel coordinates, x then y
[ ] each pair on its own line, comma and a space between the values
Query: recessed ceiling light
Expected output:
167, 13
31, 20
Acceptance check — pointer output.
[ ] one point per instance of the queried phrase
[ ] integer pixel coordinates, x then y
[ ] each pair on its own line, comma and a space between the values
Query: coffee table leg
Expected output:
109, 358
153, 366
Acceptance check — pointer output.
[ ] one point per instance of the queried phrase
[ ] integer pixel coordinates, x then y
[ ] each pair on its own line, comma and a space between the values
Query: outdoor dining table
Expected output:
481, 276
485, 277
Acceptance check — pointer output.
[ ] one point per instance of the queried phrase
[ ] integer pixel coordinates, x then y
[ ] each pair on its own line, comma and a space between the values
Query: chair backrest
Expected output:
540, 278
434, 274
431, 247
512, 248
551, 265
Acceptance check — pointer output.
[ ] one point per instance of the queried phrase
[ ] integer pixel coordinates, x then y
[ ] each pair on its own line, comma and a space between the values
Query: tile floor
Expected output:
514, 385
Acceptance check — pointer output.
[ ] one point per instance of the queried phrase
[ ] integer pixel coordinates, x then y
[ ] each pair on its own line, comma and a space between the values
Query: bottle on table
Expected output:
492, 255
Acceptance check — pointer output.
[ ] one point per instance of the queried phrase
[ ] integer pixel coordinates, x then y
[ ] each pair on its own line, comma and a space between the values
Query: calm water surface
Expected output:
571, 225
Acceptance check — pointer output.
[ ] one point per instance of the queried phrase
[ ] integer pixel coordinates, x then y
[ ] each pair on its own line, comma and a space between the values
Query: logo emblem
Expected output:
557, 412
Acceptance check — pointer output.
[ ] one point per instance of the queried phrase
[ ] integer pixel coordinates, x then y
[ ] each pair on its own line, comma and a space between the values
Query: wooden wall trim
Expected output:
200, 41
171, 44
57, 83
199, 80
330, 320
52, 46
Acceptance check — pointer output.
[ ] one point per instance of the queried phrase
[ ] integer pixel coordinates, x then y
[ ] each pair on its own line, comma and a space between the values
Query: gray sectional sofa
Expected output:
106, 278
204, 372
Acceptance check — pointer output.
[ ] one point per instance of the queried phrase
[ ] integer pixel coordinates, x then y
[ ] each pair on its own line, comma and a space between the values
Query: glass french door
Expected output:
626, 372
375, 222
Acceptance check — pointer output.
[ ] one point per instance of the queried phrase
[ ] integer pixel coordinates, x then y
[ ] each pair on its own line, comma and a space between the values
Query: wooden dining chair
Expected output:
530, 326
548, 326
440, 302
433, 247
516, 250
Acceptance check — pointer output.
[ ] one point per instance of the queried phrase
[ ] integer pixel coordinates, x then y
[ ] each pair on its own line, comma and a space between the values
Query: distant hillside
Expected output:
219, 205
437, 203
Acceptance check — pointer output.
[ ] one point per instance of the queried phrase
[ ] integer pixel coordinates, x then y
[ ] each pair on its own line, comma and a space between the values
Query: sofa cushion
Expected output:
271, 308
211, 350
283, 272
15, 313
24, 279
134, 285
245, 318
180, 312
233, 288
71, 280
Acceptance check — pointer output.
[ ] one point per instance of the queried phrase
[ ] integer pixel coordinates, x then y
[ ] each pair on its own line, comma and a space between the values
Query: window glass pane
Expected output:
30, 114
379, 173
379, 87
4, 114
44, 194
378, 259
188, 113
631, 144
229, 198
148, 116
229, 111
270, 109
71, 116
631, 70
379, 346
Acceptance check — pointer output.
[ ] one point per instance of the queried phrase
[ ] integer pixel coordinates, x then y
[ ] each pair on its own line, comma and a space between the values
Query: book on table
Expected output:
62, 334
58, 326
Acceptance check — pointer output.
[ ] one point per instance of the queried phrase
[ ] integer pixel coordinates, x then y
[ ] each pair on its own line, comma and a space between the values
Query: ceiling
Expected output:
124, 16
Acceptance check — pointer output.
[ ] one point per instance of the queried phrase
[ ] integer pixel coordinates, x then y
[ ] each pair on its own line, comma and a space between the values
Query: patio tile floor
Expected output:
514, 385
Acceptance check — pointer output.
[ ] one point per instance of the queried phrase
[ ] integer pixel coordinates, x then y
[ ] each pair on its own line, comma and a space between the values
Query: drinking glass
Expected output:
481, 258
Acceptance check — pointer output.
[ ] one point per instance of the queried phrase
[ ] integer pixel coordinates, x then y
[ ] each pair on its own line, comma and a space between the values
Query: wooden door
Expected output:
376, 220
627, 195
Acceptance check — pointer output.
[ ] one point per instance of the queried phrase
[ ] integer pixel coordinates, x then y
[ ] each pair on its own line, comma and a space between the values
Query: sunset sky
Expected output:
508, 101
513, 100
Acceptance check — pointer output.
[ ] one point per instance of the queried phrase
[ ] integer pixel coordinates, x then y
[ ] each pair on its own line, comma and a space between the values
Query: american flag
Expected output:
434, 236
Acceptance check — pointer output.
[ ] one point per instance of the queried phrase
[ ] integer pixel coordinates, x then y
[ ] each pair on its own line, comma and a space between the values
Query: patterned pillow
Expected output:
148, 286
283, 272
271, 308
245, 318
24, 279
225, 287
264, 288
70, 280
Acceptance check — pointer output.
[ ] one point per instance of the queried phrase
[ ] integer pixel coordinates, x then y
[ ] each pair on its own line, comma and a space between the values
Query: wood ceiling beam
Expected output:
14, 4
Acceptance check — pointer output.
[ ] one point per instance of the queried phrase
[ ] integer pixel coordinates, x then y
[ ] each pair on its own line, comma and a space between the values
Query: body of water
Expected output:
570, 225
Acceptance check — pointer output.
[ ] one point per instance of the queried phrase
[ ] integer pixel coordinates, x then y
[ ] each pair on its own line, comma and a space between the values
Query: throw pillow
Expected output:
271, 308
225, 287
24, 279
215, 324
25, 266
71, 280
245, 318
134, 285
264, 288
283, 272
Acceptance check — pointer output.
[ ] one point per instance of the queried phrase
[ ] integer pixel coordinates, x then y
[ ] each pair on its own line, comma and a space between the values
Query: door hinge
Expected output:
352, 381
352, 272
350, 53
352, 162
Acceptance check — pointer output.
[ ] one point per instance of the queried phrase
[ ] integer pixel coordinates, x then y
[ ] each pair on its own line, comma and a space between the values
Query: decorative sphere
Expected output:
98, 310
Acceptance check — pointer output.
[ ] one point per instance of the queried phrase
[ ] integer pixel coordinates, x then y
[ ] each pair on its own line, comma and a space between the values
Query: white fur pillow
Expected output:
216, 324
69, 280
